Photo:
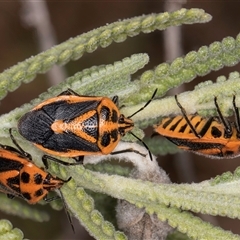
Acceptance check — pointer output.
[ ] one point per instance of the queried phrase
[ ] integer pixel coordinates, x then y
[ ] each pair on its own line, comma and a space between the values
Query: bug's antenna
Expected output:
139, 110
67, 212
144, 144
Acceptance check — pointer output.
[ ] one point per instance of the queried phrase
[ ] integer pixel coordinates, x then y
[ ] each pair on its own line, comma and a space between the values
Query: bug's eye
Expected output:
121, 119
122, 132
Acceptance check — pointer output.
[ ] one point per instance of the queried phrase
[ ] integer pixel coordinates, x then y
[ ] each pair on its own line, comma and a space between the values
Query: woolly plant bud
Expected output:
134, 221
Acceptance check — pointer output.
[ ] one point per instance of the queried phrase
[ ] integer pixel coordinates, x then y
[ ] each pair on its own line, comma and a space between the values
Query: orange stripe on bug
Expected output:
214, 137
71, 125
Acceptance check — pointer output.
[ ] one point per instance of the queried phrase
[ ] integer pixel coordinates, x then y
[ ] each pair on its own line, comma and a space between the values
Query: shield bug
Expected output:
71, 125
214, 137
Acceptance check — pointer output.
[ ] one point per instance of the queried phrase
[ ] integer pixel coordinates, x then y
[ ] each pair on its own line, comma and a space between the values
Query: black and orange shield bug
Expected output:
214, 137
71, 125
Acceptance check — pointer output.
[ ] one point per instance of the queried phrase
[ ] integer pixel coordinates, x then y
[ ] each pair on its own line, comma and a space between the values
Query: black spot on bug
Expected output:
38, 178
25, 177
216, 133
106, 139
27, 196
114, 135
38, 193
114, 117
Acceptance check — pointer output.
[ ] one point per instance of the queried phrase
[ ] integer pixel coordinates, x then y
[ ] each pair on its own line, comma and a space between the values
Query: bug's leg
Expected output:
69, 91
79, 159
227, 126
48, 200
154, 134
115, 99
12, 149
132, 150
10, 196
47, 157
67, 180
127, 150
144, 144
64, 205
237, 118
67, 211
186, 118
27, 155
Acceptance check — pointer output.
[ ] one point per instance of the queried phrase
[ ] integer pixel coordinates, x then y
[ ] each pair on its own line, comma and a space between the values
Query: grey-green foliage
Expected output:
74, 48
17, 208
7, 232
148, 188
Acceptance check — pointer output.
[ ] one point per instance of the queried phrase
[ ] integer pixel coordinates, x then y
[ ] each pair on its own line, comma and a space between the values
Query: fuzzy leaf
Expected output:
74, 48
23, 210
7, 232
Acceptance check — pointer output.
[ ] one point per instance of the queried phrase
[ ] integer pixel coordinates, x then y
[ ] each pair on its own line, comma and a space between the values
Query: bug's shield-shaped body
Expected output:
72, 125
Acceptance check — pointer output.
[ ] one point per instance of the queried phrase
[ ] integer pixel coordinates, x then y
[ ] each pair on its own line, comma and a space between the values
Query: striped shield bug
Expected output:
71, 125
214, 137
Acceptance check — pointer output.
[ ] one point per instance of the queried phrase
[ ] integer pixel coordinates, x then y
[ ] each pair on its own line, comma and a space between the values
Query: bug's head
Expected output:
124, 125
50, 183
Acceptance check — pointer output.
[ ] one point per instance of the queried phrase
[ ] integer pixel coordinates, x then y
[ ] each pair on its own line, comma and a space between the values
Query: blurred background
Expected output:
28, 27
